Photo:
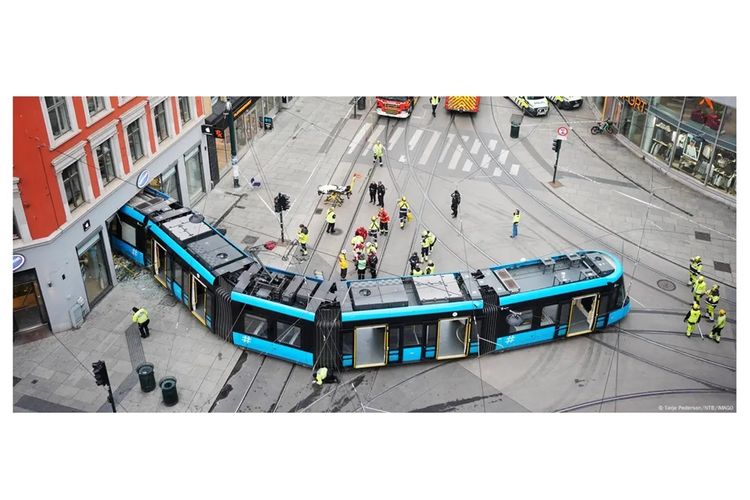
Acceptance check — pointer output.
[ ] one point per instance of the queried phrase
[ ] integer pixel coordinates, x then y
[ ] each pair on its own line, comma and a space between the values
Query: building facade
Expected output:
76, 161
693, 138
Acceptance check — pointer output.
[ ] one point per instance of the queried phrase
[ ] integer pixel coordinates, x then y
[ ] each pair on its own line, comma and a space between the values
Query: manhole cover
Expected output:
722, 266
702, 236
249, 240
666, 285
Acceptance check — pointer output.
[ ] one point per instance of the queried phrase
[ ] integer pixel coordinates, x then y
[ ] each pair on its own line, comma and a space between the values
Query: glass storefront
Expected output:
693, 135
29, 312
168, 183
194, 173
92, 259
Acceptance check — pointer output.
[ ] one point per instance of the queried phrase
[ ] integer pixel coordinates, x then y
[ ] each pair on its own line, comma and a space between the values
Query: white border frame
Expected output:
55, 142
20, 214
76, 154
106, 111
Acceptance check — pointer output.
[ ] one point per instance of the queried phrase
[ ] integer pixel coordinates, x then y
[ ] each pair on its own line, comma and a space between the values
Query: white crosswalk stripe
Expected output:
514, 169
358, 137
492, 144
446, 147
374, 137
503, 156
395, 137
467, 165
464, 138
498, 172
475, 147
455, 157
415, 139
430, 146
485, 161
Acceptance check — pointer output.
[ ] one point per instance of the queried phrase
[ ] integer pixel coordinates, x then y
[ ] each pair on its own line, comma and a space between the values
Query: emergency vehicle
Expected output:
462, 103
530, 105
566, 101
395, 106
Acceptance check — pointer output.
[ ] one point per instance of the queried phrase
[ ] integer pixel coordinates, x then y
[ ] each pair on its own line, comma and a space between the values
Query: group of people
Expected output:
365, 255
428, 242
377, 190
711, 296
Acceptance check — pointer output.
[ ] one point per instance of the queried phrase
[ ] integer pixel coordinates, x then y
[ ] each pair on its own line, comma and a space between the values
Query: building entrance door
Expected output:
29, 312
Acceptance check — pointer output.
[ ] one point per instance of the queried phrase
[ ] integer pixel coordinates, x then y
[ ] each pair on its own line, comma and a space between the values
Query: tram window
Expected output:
288, 334
549, 315
526, 317
177, 272
412, 335
620, 294
476, 328
564, 313
603, 304
209, 303
393, 338
431, 334
256, 326
347, 341
128, 234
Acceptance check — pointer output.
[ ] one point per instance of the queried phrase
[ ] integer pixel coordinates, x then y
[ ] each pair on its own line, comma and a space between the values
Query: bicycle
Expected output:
603, 126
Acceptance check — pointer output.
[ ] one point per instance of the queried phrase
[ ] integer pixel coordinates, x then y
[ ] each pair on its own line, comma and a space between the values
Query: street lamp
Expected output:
233, 143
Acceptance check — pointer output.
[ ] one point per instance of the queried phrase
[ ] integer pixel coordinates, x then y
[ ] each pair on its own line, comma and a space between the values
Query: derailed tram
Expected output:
365, 323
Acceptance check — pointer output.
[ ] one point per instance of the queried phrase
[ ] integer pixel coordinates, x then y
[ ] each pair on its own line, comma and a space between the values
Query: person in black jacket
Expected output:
455, 202
381, 193
373, 191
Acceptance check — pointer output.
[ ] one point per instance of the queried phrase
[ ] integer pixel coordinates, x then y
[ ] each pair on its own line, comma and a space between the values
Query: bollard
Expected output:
169, 391
145, 373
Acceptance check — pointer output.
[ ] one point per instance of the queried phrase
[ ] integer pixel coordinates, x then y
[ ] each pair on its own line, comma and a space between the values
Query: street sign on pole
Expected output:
562, 133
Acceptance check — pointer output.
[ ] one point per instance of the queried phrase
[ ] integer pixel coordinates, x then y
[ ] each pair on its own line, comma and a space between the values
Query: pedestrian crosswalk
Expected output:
457, 153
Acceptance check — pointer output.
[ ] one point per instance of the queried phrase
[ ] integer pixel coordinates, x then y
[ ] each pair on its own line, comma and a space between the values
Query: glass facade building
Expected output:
696, 136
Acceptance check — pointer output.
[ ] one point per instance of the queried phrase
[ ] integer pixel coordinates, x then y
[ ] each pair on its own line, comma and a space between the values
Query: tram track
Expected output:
636, 395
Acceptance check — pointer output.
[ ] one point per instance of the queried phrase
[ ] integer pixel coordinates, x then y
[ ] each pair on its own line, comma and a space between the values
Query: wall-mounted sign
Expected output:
635, 102
143, 179
86, 225
207, 129
18, 261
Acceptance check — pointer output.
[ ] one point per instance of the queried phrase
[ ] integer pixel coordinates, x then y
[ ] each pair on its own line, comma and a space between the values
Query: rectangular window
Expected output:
135, 141
106, 161
16, 232
288, 334
723, 170
177, 272
549, 315
160, 116
128, 233
431, 334
255, 325
185, 115
57, 109
525, 321
95, 105
72, 182
412, 335
194, 172
394, 335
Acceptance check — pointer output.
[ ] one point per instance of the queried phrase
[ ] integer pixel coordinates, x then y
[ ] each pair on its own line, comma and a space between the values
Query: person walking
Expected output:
699, 289
430, 268
361, 265
372, 264
712, 300
696, 268
455, 202
425, 247
343, 264
692, 318
431, 239
331, 220
373, 192
377, 153
516, 221
413, 260
384, 220
721, 322
140, 316
434, 100
403, 211
302, 238
381, 193
374, 228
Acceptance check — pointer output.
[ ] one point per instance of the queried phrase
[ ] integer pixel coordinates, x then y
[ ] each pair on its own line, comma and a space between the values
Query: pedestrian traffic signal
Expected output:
556, 145
100, 373
280, 202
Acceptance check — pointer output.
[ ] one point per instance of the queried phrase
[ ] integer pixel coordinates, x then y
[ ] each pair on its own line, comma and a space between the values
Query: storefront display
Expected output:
29, 312
94, 270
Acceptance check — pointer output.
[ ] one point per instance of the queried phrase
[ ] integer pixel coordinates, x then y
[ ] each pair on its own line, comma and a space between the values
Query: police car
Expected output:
566, 102
534, 106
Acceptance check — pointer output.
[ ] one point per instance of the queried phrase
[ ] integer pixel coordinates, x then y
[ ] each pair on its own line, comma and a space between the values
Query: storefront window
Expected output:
671, 106
224, 150
93, 262
632, 124
28, 306
728, 132
723, 171
692, 154
168, 183
194, 173
241, 133
703, 113
659, 138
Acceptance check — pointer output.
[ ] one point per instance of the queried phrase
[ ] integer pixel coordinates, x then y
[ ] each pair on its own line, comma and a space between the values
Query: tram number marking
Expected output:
510, 339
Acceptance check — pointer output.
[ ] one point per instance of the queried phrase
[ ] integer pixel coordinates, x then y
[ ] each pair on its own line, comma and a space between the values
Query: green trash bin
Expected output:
515, 125
145, 373
168, 387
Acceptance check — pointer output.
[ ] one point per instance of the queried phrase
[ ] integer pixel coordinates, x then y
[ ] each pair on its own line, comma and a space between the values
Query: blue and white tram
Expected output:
366, 323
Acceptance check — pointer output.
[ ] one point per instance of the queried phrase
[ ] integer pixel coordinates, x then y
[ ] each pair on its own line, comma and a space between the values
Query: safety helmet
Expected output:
722, 312
424, 232
330, 209
700, 278
696, 305
715, 287
430, 263
697, 258
373, 218
343, 251
403, 198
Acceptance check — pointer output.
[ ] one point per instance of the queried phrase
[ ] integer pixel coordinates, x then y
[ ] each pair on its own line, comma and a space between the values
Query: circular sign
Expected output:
143, 179
562, 131
18, 261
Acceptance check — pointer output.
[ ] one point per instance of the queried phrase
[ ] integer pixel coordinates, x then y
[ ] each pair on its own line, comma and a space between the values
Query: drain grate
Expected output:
318, 210
666, 285
702, 236
722, 266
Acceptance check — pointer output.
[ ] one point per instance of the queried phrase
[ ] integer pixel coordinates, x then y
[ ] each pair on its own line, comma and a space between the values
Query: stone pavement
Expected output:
308, 147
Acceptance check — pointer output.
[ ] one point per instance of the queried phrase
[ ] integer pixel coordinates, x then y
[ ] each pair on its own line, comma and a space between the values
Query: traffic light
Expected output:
100, 373
280, 202
556, 145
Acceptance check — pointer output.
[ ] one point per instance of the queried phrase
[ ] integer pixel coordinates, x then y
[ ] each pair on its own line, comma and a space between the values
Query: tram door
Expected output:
582, 314
452, 338
160, 263
198, 299
370, 346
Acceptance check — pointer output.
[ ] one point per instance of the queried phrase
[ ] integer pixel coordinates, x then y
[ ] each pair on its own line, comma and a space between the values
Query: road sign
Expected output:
562, 133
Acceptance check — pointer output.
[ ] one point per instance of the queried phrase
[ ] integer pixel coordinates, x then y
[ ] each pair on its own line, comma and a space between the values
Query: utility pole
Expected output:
356, 100
233, 144
102, 378
556, 144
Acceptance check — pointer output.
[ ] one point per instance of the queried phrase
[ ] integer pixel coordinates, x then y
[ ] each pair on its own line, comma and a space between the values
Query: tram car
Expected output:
366, 323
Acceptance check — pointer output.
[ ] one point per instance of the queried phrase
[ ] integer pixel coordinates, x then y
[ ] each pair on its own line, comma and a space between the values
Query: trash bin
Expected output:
145, 373
268, 123
169, 390
361, 103
515, 125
